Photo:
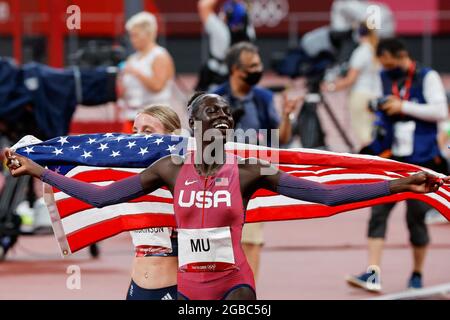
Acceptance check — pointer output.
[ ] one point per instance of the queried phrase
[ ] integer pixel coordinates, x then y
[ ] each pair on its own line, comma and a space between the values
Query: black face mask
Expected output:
396, 73
253, 78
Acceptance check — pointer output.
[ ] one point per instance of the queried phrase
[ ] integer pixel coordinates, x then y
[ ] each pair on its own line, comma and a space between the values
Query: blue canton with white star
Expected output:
104, 150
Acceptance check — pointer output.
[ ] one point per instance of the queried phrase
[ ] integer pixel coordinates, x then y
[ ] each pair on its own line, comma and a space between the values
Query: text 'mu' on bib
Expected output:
205, 250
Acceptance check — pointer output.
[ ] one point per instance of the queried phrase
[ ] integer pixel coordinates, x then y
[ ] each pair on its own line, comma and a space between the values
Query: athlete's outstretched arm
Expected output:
332, 195
98, 196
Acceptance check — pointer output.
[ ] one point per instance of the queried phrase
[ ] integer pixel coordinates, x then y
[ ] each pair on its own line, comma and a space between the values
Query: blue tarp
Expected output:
52, 93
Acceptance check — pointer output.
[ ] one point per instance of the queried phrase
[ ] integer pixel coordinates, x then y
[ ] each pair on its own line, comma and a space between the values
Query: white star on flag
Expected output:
91, 140
171, 148
28, 150
63, 140
57, 151
75, 147
86, 154
158, 141
115, 154
143, 151
148, 136
131, 144
119, 138
103, 146
107, 135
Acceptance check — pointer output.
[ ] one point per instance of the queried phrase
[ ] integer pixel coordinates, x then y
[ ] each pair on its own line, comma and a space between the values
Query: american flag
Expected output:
103, 159
223, 182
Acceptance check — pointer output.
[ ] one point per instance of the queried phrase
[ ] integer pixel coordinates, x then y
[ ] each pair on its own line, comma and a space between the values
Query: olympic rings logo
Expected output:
268, 13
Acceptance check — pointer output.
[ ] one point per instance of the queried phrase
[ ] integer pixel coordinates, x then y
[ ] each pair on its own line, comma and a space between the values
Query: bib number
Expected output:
403, 144
205, 250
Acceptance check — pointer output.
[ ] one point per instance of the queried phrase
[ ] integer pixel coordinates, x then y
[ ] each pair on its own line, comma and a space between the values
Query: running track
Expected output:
301, 260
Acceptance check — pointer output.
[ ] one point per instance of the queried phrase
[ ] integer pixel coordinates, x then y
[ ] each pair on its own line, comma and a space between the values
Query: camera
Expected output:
97, 54
375, 104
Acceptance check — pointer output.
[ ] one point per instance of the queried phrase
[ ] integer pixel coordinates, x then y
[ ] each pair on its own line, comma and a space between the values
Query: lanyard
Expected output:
408, 84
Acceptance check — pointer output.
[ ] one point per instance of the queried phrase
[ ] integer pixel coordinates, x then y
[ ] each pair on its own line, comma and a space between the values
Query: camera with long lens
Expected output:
375, 104
316, 52
97, 54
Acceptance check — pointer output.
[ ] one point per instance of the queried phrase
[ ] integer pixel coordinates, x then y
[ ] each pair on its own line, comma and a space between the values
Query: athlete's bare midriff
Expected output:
155, 272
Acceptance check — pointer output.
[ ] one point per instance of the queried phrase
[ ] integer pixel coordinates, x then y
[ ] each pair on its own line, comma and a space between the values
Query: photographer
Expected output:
407, 119
253, 108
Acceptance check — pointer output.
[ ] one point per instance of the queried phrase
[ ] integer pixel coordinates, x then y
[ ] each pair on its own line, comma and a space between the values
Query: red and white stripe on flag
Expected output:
77, 224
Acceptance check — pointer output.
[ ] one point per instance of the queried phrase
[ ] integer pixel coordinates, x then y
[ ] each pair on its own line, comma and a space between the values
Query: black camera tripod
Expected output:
309, 127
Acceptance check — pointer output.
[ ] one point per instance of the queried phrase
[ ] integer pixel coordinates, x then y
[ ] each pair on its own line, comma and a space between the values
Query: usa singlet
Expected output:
210, 215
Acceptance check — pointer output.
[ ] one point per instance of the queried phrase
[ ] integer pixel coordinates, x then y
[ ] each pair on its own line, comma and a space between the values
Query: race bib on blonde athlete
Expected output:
152, 241
205, 250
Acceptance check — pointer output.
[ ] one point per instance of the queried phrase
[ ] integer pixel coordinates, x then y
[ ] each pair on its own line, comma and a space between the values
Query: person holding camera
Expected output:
413, 104
254, 112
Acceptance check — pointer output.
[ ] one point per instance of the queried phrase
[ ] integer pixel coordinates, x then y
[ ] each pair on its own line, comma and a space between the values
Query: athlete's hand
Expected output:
421, 182
19, 165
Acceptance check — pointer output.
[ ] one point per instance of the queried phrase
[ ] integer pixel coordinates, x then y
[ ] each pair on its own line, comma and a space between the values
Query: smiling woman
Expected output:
222, 123
153, 276
211, 262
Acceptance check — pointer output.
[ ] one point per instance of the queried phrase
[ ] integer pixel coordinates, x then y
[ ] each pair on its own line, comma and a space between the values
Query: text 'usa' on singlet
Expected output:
209, 213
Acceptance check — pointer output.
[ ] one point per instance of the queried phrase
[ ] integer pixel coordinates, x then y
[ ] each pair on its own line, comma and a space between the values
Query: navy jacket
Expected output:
425, 145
